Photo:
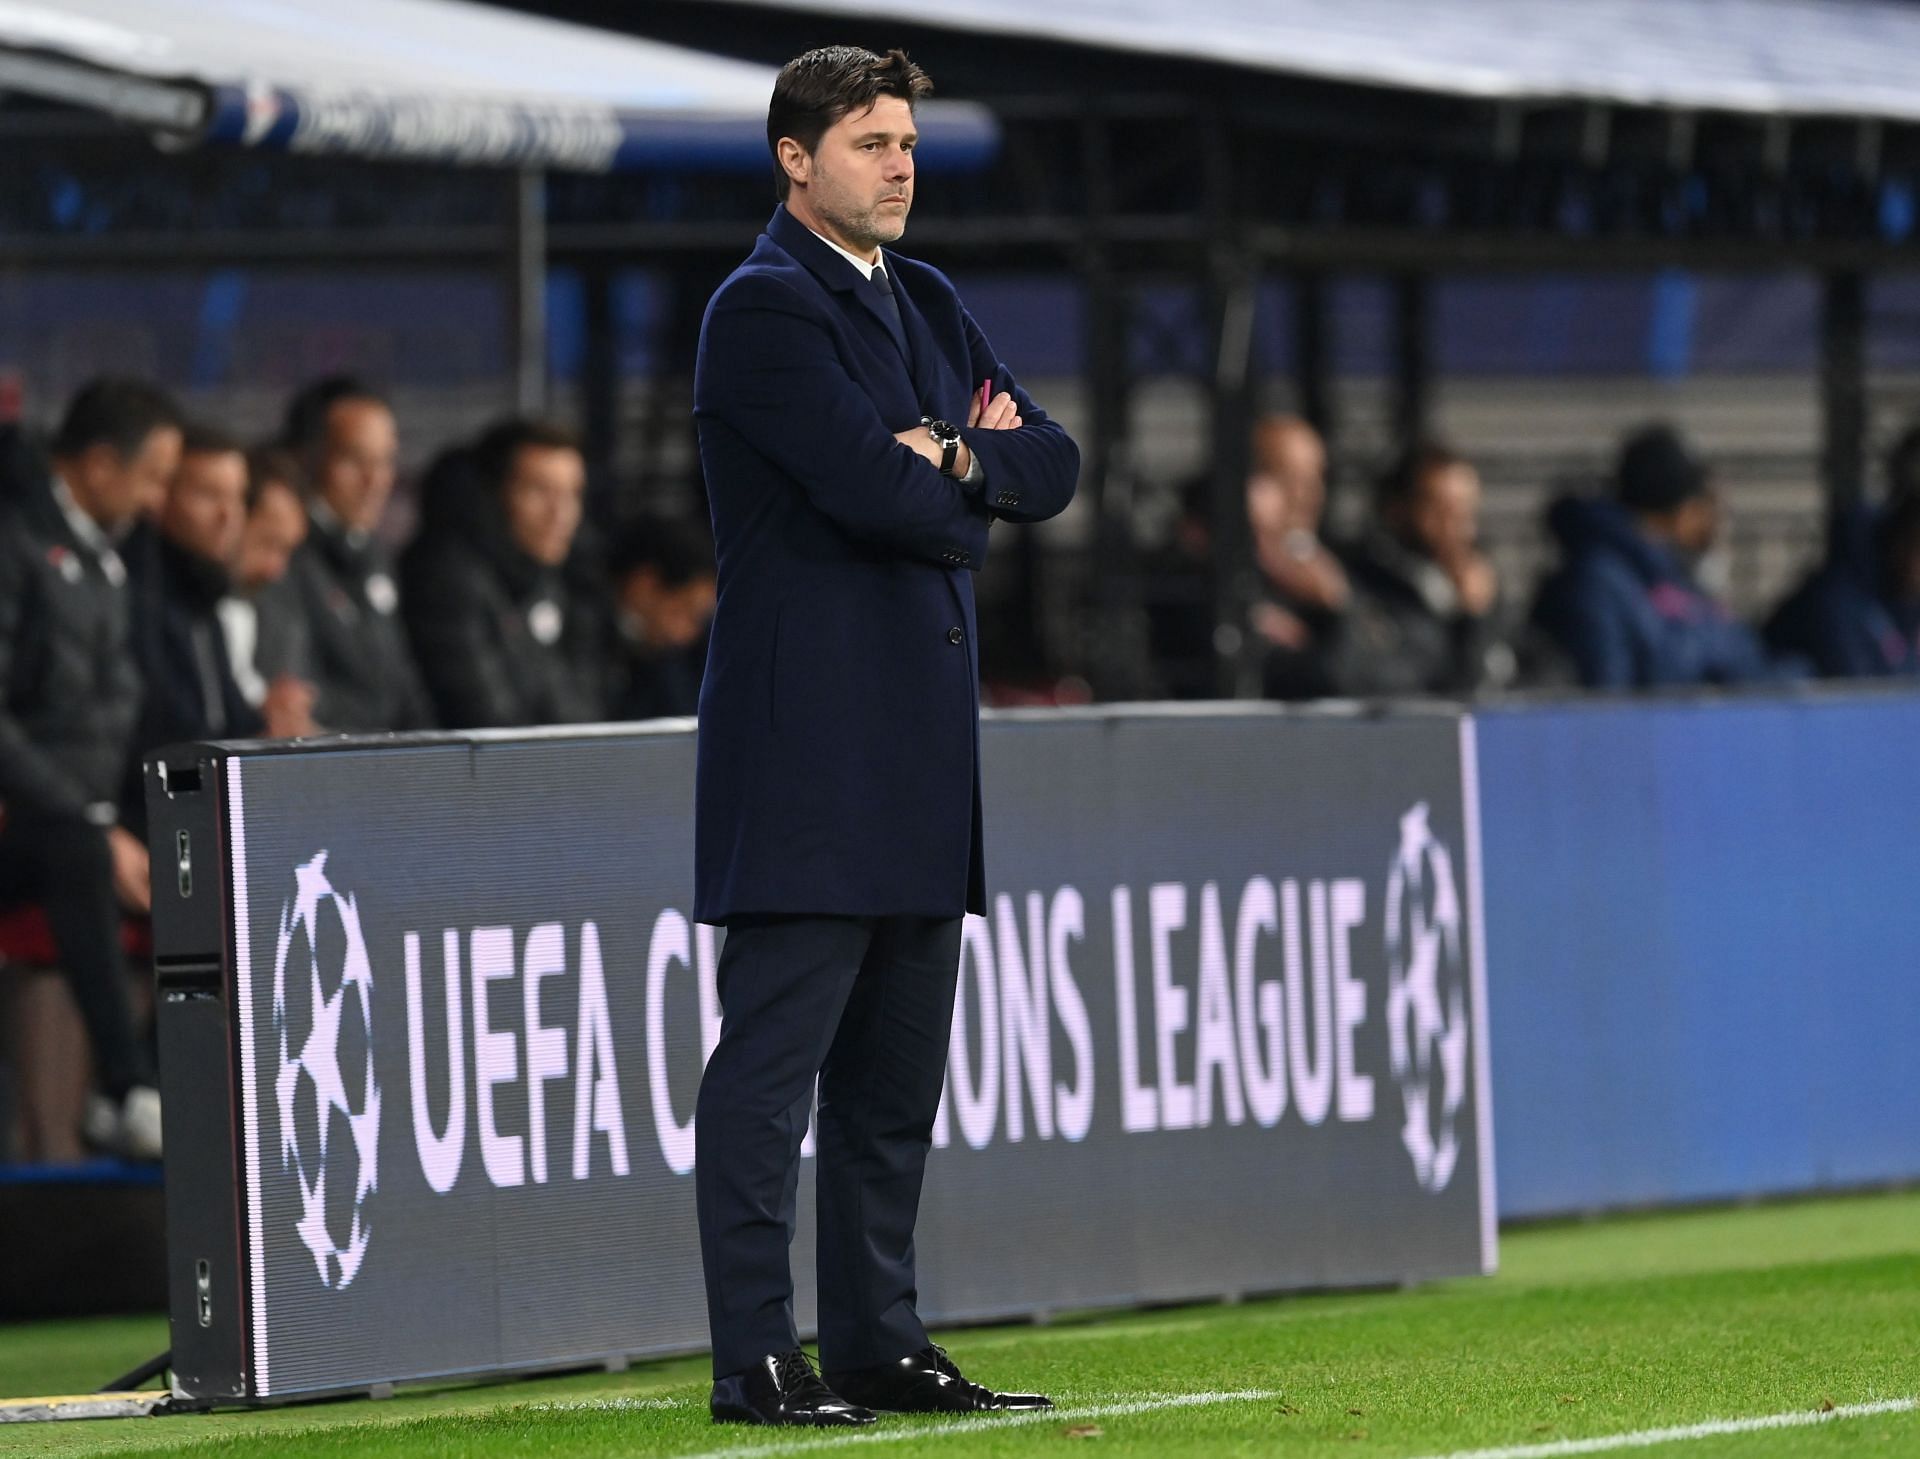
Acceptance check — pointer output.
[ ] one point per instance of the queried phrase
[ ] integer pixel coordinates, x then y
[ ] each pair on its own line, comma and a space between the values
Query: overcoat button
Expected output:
954, 635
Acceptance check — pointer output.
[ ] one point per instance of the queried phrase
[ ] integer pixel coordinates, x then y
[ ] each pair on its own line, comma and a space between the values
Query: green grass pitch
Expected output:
1591, 1330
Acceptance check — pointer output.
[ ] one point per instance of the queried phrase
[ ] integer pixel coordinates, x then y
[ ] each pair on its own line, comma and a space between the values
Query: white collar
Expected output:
91, 534
866, 269
327, 519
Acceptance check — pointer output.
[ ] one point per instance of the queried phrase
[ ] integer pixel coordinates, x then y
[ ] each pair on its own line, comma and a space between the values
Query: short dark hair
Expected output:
814, 91
1657, 472
200, 438
495, 453
306, 422
271, 466
115, 411
678, 552
1400, 482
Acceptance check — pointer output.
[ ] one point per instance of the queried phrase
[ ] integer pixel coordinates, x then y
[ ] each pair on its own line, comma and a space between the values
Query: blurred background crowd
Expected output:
1536, 376
1412, 604
163, 580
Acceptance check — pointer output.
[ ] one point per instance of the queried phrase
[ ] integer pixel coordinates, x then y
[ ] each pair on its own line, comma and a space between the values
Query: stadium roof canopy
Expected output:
1833, 58
422, 79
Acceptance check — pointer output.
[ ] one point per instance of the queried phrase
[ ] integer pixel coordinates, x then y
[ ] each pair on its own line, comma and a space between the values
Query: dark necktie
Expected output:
889, 308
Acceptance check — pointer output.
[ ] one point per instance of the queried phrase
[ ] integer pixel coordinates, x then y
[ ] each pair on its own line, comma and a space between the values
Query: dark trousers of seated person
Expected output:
866, 1003
66, 868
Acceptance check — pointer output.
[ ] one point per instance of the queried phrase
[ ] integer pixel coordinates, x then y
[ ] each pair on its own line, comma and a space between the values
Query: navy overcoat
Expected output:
839, 743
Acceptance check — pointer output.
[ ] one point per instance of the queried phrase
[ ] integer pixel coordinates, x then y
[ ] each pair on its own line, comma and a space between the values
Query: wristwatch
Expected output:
947, 438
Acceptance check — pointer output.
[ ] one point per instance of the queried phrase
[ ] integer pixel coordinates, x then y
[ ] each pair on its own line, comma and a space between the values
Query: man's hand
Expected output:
1001, 414
1474, 580
288, 708
130, 881
1300, 565
1279, 627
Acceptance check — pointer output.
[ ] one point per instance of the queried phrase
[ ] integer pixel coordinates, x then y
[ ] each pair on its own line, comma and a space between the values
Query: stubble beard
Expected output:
868, 227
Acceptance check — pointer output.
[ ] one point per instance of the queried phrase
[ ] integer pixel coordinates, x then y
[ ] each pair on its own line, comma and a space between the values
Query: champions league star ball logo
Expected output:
328, 1101
1426, 999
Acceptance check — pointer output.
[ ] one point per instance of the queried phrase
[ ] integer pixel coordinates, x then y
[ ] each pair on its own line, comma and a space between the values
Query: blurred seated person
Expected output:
1857, 616
494, 626
1424, 614
1626, 603
342, 434
663, 576
274, 527
1305, 590
189, 687
69, 704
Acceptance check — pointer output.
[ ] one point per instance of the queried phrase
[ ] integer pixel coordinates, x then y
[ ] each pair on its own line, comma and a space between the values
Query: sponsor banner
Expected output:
1221, 1031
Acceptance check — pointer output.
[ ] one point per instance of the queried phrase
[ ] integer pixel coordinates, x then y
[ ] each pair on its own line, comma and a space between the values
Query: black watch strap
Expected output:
948, 437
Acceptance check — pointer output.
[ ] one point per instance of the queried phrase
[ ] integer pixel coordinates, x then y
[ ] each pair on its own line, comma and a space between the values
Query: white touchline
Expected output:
962, 1426
1713, 1428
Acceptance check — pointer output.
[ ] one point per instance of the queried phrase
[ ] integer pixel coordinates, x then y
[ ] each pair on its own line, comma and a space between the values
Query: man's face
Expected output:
543, 500
206, 506
669, 617
114, 489
1696, 523
1443, 516
858, 181
1290, 452
355, 471
275, 527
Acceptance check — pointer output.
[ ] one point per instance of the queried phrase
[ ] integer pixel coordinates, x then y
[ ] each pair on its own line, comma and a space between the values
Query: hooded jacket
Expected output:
1629, 612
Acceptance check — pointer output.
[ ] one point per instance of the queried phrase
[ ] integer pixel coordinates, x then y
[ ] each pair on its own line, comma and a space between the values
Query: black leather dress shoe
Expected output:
927, 1382
782, 1388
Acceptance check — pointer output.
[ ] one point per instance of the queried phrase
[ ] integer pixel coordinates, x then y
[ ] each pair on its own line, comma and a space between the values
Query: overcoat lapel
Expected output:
839, 276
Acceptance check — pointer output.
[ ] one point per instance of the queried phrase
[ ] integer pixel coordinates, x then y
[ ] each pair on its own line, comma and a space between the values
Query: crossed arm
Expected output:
770, 371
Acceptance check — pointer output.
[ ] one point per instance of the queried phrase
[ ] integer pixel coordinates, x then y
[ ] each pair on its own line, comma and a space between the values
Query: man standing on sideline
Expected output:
837, 827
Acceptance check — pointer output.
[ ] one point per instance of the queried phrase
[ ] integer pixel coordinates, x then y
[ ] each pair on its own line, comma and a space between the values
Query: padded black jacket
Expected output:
69, 688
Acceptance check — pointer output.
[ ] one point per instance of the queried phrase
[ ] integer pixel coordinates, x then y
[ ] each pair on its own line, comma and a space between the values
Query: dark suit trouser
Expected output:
67, 867
867, 1004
